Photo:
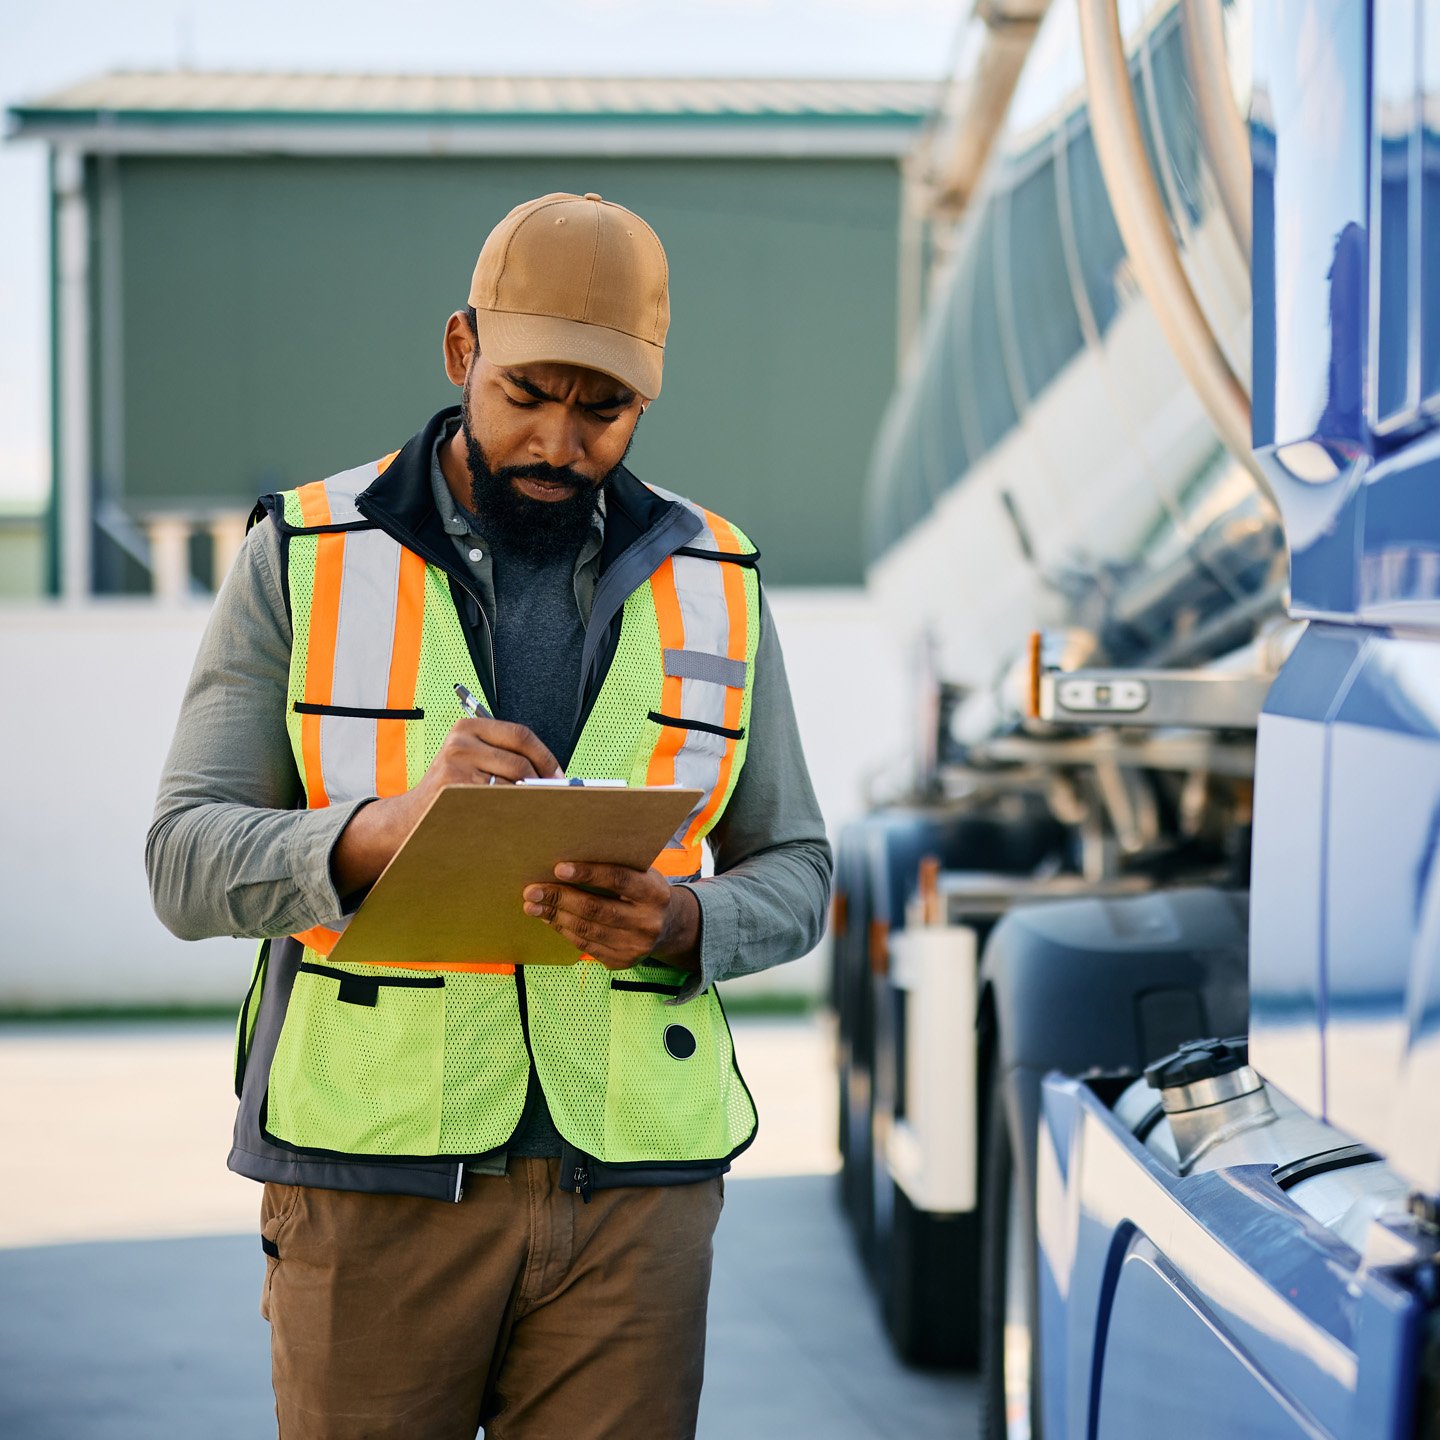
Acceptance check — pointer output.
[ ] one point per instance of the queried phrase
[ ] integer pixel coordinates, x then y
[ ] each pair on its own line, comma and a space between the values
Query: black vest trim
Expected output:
676, 723
365, 989
750, 561
286, 528
355, 712
647, 987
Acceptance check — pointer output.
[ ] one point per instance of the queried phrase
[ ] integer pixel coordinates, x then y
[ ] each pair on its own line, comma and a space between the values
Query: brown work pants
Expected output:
522, 1308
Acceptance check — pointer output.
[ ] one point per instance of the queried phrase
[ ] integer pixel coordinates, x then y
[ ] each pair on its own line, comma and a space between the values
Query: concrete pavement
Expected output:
128, 1309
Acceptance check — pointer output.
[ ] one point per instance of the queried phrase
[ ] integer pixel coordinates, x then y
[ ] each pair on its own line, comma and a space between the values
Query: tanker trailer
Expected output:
1054, 938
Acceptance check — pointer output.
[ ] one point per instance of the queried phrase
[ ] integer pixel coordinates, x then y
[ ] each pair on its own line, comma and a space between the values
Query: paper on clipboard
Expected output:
451, 897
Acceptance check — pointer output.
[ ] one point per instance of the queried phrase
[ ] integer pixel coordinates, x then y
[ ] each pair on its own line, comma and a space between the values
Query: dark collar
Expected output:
638, 522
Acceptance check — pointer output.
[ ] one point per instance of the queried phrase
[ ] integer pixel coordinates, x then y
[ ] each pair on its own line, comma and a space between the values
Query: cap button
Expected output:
590, 195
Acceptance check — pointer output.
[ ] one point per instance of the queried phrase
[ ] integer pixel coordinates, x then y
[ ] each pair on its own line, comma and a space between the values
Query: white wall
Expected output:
88, 698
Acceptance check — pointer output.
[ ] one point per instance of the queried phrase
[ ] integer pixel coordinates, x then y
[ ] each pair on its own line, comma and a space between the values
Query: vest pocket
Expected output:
647, 987
673, 1092
360, 1063
356, 712
697, 729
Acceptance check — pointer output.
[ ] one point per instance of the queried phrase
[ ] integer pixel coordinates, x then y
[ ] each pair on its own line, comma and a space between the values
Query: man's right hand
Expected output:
475, 752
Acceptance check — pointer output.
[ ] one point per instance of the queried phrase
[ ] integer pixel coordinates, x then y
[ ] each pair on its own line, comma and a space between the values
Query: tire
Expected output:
1010, 1372
931, 1277
857, 1172
857, 1111
853, 1018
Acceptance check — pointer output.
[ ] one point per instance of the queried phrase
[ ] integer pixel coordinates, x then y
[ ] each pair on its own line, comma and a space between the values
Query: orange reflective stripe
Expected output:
315, 796
319, 938
679, 864
322, 940
392, 770
319, 676
384, 464
471, 967
738, 649
661, 770
314, 504
320, 663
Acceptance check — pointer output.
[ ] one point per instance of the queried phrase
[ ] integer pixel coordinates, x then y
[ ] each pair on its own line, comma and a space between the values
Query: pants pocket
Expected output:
276, 1208
359, 1066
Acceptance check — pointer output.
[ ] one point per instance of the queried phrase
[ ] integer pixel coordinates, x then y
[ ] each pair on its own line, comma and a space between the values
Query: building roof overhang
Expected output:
201, 112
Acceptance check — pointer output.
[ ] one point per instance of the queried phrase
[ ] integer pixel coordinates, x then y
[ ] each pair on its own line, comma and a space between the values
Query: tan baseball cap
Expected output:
578, 280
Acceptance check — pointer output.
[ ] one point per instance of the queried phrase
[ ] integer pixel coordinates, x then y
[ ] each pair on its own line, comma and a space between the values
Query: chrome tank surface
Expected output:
1321, 1170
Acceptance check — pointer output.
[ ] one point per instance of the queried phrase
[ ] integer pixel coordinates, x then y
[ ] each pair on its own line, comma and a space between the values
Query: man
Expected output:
489, 1192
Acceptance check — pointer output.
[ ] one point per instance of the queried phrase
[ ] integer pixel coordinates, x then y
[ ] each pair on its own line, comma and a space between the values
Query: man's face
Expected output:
541, 440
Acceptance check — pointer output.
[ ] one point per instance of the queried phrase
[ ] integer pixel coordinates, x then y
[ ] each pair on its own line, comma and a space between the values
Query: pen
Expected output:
476, 710
470, 705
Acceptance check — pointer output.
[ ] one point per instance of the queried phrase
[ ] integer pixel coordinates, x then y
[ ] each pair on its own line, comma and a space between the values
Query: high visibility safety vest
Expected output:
411, 1062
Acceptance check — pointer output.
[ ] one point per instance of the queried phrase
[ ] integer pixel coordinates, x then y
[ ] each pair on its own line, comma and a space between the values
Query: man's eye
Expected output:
521, 404
601, 415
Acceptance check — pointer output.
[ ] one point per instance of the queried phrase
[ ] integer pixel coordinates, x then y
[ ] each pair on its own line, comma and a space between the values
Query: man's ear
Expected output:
460, 347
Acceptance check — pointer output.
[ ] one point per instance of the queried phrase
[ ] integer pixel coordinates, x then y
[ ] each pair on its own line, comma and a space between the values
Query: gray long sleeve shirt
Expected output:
229, 852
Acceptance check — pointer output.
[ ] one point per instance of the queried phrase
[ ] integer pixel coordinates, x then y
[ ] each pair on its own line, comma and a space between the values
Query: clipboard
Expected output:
452, 894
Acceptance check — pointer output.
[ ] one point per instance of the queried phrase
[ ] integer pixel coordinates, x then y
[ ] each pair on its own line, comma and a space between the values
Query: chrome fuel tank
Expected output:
1234, 1119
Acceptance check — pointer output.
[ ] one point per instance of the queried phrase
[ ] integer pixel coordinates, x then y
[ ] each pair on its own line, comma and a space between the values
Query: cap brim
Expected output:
509, 338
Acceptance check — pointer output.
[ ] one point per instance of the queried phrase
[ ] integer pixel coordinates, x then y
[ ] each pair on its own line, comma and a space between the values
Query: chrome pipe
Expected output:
1145, 228
972, 111
1223, 131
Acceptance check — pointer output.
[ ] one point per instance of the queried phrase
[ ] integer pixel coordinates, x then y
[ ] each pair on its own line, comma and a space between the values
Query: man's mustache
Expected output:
555, 475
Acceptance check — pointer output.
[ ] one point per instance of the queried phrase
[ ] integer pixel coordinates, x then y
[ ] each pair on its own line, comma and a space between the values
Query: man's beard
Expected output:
533, 530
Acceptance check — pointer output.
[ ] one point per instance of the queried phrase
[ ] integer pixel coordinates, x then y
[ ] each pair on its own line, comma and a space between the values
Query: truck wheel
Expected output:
930, 1278
1007, 1286
857, 1175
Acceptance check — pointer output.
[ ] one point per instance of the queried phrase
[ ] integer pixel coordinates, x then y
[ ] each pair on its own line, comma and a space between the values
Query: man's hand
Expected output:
641, 915
481, 752
475, 752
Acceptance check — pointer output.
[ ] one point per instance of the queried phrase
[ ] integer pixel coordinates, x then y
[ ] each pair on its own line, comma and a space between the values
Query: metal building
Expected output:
252, 273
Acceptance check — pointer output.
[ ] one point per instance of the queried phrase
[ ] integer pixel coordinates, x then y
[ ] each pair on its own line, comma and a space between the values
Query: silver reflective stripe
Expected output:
341, 490
702, 665
364, 640
365, 635
347, 757
700, 589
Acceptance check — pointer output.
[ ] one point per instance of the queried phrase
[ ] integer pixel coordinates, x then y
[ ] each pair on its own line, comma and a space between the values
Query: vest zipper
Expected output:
489, 636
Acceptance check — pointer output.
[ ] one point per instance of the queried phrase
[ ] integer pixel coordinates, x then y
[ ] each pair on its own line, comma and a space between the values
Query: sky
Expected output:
48, 44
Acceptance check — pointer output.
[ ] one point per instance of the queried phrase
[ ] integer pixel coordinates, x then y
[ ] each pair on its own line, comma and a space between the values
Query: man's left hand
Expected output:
642, 915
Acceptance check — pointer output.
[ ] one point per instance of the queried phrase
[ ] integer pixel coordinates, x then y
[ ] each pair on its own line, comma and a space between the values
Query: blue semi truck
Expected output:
1137, 958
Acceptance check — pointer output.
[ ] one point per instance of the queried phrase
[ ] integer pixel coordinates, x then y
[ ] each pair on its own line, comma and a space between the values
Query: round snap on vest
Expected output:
409, 1062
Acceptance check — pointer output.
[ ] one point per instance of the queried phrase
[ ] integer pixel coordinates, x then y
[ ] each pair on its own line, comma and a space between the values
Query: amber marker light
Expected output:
879, 948
930, 913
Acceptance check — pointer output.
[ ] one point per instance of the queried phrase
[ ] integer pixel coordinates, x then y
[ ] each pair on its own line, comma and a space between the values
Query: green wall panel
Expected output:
282, 319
